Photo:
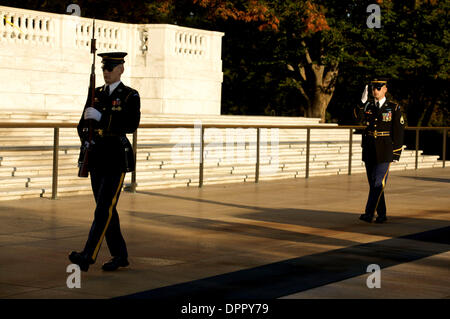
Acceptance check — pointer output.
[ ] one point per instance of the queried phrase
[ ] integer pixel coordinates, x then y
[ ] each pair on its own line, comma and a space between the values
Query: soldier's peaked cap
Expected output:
113, 57
379, 81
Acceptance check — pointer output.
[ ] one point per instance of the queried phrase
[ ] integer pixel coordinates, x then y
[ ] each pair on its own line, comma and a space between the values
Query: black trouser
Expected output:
106, 188
377, 175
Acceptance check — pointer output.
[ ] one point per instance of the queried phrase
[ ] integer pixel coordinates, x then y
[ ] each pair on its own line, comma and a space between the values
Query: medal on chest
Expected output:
387, 117
116, 105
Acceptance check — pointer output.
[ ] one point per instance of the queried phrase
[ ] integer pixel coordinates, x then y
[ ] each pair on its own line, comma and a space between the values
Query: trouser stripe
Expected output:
113, 202
383, 183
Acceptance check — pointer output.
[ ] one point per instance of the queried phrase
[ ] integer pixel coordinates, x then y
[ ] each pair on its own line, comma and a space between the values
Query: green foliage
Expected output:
411, 49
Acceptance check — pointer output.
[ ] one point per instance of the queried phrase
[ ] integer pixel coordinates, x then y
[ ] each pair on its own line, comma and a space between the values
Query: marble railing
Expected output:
59, 30
19, 26
190, 44
108, 37
27, 26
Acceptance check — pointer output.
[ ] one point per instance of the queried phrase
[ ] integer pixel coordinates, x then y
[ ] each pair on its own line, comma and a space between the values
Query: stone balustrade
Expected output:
46, 59
20, 26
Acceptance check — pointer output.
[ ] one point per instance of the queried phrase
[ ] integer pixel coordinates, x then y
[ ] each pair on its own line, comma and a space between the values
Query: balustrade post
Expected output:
350, 152
55, 162
308, 140
202, 140
444, 146
258, 138
417, 148
133, 174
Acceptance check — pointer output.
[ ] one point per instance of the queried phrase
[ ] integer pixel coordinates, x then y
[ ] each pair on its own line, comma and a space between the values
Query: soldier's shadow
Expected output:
348, 222
429, 179
321, 219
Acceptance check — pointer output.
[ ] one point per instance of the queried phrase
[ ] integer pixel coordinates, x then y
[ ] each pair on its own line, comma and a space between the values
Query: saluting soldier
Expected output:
116, 113
382, 142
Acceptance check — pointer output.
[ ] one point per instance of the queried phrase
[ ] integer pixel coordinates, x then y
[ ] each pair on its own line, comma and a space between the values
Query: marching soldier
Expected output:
116, 113
382, 142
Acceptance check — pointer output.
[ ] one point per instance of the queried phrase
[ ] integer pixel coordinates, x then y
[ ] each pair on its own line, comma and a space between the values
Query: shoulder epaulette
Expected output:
394, 105
131, 92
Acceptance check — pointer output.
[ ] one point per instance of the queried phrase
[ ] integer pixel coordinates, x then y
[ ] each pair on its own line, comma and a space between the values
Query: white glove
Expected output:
92, 114
365, 94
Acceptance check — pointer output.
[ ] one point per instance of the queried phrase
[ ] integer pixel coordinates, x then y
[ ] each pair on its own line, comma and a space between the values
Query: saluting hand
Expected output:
365, 94
92, 114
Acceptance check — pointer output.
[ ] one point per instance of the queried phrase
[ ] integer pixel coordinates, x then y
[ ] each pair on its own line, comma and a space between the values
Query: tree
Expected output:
311, 45
411, 48
309, 42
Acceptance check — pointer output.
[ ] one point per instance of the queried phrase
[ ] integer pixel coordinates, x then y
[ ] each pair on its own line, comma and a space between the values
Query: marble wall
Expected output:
45, 62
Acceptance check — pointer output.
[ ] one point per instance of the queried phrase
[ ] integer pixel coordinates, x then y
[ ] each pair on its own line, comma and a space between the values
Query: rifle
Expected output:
84, 151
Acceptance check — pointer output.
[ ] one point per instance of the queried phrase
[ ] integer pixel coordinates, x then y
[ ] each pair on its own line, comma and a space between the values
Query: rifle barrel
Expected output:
83, 169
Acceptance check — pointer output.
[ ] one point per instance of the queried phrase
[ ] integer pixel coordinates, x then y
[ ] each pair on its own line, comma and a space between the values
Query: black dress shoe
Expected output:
381, 219
367, 218
81, 260
115, 263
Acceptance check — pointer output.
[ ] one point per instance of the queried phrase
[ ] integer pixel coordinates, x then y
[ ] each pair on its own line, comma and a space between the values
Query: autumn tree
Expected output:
307, 40
310, 46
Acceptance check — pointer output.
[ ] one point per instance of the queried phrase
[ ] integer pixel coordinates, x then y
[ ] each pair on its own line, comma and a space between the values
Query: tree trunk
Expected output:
323, 82
318, 107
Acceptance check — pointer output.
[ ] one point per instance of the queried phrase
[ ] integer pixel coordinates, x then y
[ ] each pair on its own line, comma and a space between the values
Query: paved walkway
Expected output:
278, 239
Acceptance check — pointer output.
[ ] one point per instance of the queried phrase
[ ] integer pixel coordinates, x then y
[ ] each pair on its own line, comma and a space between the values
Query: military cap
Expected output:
379, 82
113, 57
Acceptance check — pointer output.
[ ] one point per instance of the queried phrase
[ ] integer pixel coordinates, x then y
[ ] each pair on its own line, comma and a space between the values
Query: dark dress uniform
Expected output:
382, 142
110, 157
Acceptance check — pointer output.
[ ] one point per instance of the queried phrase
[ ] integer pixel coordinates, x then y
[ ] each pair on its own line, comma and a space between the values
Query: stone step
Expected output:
6, 171
157, 184
68, 191
47, 158
47, 184
248, 157
43, 161
36, 153
20, 193
70, 161
28, 171
39, 140
187, 153
13, 182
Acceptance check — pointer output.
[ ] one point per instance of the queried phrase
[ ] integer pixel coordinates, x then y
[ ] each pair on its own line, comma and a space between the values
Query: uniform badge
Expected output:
402, 121
387, 117
116, 105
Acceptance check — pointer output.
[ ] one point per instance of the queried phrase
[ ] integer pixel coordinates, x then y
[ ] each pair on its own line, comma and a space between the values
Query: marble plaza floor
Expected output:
276, 239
